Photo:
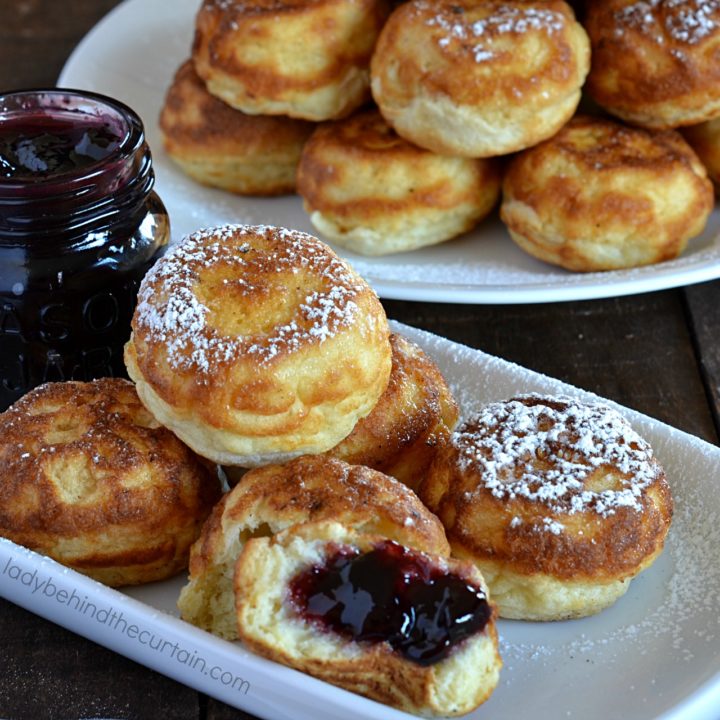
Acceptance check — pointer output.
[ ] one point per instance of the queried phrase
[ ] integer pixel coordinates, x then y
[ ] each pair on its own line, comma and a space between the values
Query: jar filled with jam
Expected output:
80, 225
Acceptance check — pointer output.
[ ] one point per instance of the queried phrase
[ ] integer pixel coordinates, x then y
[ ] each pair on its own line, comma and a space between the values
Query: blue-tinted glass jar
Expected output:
80, 225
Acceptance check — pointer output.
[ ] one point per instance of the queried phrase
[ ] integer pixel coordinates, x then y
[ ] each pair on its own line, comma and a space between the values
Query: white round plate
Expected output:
132, 55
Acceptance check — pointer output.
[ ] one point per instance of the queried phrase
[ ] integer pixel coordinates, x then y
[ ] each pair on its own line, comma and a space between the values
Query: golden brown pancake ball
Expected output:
219, 146
271, 624
371, 191
307, 59
479, 78
705, 141
603, 196
656, 64
273, 498
560, 504
255, 344
90, 479
413, 418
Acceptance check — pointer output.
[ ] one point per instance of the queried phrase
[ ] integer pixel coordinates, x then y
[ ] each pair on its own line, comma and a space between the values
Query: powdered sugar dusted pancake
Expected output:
256, 344
559, 503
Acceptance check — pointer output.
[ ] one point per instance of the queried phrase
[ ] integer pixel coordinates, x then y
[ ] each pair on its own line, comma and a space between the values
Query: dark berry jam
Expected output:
391, 594
44, 145
79, 227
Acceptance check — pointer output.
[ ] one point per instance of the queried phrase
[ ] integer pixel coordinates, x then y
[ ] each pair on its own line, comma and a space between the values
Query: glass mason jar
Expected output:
80, 225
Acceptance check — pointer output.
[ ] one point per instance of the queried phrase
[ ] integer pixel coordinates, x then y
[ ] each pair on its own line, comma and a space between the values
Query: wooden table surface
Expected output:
657, 353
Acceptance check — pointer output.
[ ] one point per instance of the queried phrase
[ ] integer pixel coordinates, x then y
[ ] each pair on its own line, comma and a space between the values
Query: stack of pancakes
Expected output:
396, 122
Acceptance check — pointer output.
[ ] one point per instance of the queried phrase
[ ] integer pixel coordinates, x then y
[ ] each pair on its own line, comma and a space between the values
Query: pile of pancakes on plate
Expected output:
401, 124
257, 348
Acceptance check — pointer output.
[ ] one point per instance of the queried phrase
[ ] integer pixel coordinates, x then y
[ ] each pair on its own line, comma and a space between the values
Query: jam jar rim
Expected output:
67, 207
133, 138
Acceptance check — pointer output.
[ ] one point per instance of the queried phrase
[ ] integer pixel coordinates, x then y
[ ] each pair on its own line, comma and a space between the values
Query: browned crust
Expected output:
412, 419
591, 547
258, 292
584, 183
327, 176
314, 488
380, 675
90, 479
408, 52
222, 29
195, 124
705, 141
645, 72
610, 549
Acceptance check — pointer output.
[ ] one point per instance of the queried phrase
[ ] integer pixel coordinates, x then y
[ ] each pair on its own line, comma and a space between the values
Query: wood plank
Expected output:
634, 350
37, 36
215, 710
703, 307
49, 672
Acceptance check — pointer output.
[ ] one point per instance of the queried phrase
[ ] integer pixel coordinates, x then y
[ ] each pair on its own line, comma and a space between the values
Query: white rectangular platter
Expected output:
655, 654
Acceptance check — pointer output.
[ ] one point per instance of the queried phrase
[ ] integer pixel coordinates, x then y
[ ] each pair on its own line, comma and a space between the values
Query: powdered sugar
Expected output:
658, 643
546, 450
170, 312
655, 653
553, 526
505, 19
685, 21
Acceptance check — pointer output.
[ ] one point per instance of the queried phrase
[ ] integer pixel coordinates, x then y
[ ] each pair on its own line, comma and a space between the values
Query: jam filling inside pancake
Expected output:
391, 594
